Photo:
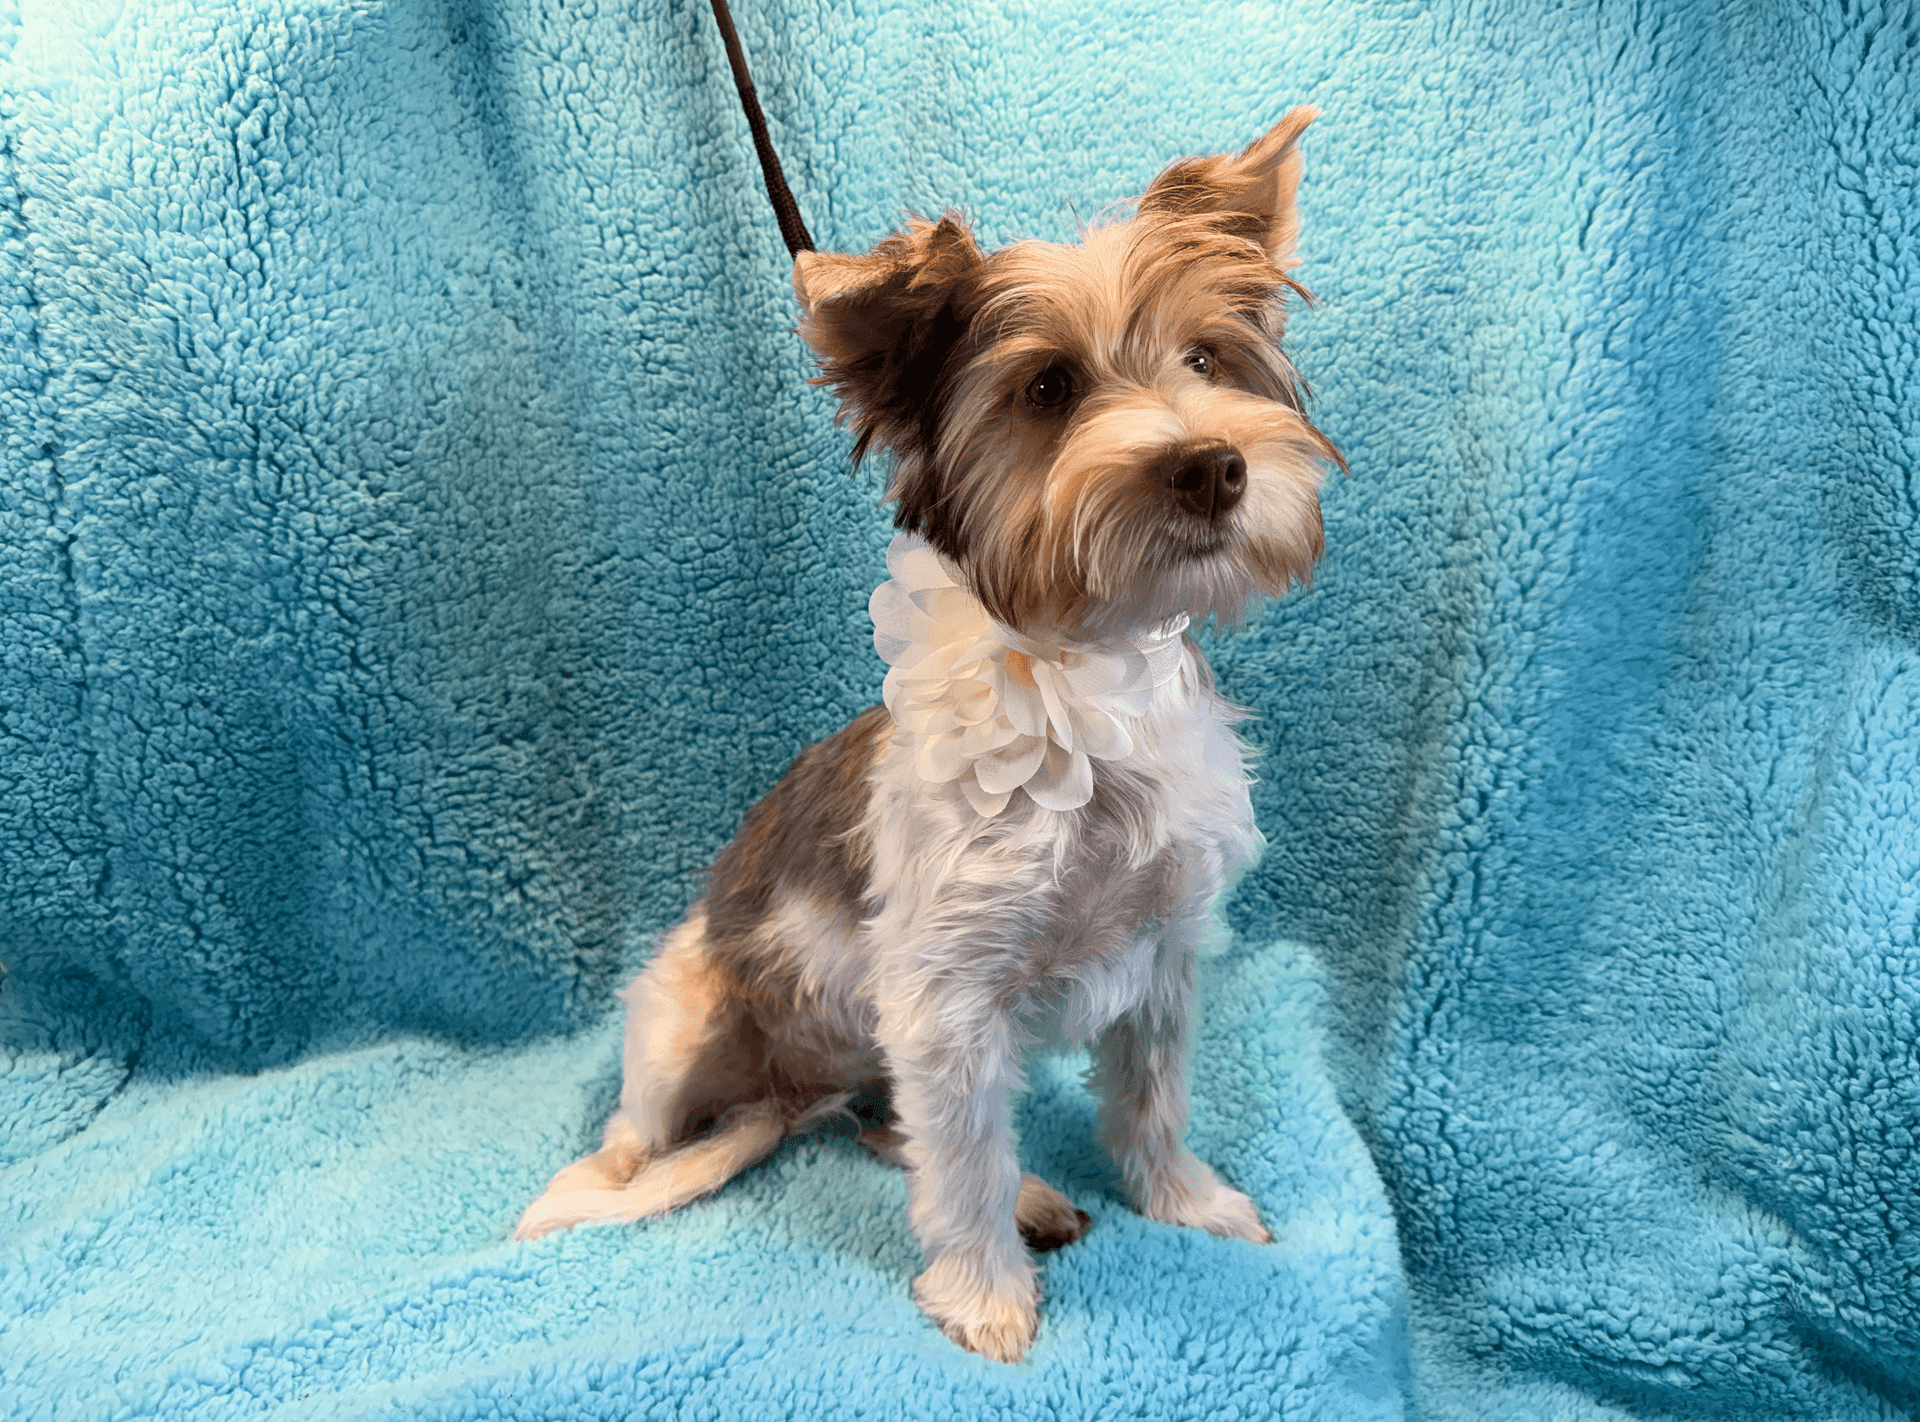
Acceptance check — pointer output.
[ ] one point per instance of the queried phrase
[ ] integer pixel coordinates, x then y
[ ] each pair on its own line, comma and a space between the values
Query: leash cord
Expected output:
792, 230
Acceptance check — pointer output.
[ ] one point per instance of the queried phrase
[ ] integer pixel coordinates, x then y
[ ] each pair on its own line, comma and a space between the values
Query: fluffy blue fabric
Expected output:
421, 546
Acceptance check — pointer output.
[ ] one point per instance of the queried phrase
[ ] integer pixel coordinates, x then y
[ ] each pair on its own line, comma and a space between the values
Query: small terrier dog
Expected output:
1026, 846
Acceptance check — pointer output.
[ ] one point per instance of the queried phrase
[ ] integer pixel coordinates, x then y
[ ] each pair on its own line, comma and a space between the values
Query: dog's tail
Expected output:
744, 1136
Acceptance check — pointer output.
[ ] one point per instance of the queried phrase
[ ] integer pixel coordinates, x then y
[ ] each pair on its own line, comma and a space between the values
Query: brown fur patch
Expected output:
803, 838
884, 325
716, 1051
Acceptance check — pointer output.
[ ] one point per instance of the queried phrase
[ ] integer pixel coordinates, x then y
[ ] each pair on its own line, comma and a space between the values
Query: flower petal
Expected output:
1065, 781
1046, 677
1165, 653
1011, 767
912, 562
974, 703
1096, 674
892, 622
938, 663
1022, 706
1101, 734
923, 719
988, 735
940, 757
952, 606
984, 804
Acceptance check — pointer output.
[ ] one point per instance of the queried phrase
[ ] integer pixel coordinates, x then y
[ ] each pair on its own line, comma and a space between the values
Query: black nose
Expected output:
1207, 482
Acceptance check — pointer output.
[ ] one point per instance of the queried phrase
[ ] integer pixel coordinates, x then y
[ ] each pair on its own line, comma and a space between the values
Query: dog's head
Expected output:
1100, 436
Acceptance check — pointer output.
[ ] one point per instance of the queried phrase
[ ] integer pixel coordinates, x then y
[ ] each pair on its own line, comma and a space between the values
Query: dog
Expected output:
1094, 447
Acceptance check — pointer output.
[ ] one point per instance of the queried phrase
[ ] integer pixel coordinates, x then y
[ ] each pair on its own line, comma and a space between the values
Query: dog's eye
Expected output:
1200, 361
1050, 389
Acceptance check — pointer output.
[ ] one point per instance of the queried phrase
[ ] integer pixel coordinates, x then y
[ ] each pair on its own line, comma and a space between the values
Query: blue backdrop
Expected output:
418, 546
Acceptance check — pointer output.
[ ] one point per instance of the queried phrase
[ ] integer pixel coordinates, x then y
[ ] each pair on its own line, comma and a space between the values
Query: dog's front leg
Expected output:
1140, 1073
953, 1069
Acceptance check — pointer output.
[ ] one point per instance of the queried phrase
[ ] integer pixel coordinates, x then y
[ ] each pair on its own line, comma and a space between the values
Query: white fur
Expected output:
1044, 929
988, 939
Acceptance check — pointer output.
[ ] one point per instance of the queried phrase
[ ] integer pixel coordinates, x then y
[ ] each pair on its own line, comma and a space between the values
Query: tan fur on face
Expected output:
1066, 516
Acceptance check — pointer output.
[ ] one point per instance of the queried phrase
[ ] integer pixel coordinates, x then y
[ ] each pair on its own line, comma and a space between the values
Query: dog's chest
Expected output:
1140, 887
1075, 913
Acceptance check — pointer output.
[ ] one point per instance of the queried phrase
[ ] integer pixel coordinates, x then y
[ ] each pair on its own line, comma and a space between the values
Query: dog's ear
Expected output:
883, 324
1250, 193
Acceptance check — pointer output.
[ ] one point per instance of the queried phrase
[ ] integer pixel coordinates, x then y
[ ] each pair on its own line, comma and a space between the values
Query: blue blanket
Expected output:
420, 545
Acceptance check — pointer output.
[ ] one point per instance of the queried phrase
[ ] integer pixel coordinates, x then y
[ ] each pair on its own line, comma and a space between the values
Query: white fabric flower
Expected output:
996, 710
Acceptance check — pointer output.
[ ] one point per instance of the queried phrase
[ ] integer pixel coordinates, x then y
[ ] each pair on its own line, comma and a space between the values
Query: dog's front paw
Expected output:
994, 1315
1202, 1200
1232, 1215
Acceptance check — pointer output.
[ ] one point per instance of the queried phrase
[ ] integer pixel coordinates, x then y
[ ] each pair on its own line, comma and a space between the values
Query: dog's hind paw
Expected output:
1047, 1219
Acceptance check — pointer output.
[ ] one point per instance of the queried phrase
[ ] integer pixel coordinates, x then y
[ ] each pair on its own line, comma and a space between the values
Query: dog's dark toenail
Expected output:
1042, 1240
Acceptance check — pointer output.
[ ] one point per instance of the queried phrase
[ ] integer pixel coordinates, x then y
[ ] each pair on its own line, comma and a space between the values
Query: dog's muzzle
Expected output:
1206, 482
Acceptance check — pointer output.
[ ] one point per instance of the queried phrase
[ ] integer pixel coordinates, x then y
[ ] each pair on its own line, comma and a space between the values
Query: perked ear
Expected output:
884, 322
1250, 193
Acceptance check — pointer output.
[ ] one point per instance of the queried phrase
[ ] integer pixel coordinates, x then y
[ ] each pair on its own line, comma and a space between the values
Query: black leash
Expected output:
792, 229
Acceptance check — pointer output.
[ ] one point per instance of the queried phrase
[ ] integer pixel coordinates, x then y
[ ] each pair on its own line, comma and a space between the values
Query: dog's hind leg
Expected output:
745, 1135
692, 1057
692, 1048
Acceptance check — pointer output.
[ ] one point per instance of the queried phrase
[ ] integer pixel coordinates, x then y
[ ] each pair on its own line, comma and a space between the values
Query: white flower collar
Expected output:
999, 711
